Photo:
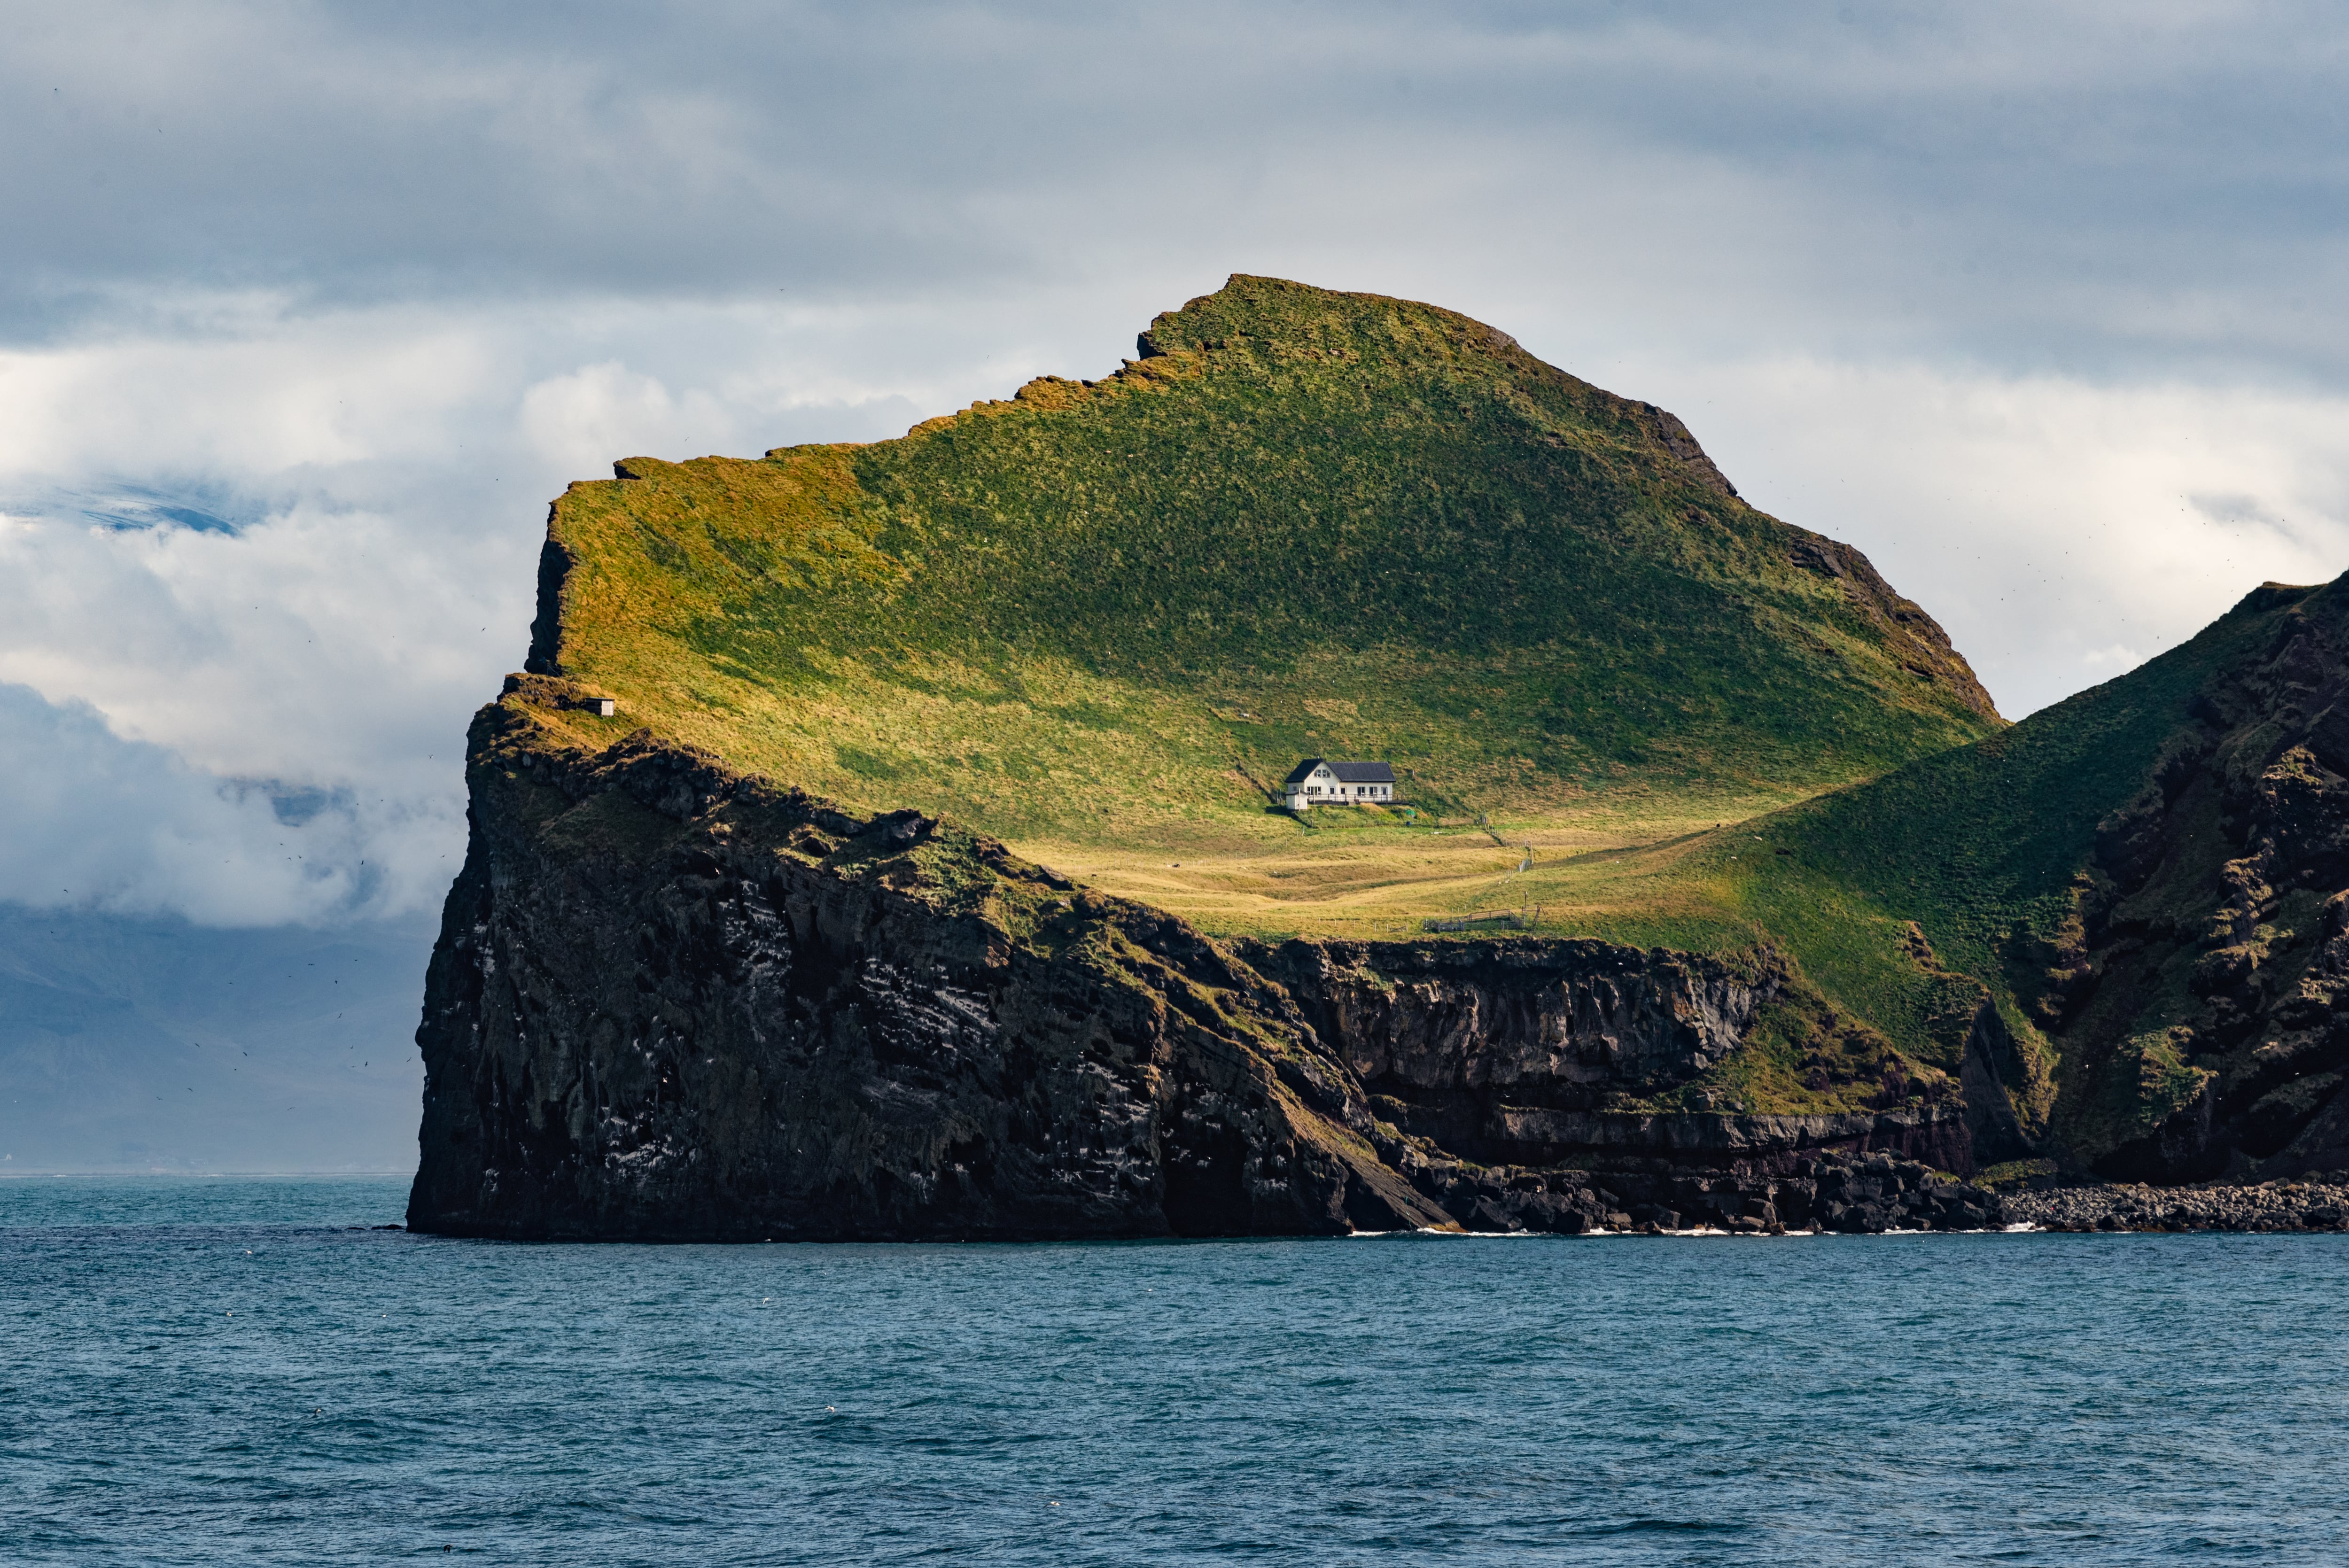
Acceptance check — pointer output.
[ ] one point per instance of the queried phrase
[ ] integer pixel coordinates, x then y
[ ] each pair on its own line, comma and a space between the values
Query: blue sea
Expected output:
238, 1371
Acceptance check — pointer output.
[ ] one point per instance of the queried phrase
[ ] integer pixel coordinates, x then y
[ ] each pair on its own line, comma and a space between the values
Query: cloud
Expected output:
578, 421
304, 315
2025, 178
126, 828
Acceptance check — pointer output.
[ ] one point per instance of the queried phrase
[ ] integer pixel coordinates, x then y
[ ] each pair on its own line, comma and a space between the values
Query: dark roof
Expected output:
1347, 772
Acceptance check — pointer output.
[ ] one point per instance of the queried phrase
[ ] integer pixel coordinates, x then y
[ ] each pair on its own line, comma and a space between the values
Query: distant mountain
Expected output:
154, 1044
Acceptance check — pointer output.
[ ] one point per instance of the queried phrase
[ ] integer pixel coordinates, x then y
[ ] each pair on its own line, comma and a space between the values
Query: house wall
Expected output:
1334, 793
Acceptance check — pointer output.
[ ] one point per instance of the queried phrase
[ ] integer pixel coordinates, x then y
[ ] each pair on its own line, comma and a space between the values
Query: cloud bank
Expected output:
304, 314
126, 828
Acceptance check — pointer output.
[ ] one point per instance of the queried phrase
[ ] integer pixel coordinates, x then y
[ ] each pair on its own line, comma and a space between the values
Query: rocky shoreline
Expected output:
2316, 1203
1867, 1194
1838, 1192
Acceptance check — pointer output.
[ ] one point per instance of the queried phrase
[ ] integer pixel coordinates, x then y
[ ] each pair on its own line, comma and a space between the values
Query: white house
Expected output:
1314, 782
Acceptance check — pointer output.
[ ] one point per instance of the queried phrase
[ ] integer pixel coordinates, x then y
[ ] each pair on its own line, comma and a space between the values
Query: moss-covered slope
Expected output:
2140, 876
1304, 521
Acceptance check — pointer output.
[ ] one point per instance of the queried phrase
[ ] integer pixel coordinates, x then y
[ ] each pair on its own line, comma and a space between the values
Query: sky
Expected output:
307, 311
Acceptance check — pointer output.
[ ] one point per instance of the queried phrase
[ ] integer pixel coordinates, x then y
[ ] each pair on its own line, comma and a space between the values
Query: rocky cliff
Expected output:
2201, 989
671, 1001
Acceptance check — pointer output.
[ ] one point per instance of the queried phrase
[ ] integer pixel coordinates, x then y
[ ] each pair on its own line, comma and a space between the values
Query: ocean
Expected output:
203, 1371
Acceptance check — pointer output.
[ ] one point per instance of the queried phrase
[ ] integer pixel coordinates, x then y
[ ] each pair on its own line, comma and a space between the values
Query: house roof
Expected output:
1347, 772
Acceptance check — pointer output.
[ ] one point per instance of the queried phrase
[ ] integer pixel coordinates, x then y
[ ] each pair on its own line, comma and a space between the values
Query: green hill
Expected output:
1101, 619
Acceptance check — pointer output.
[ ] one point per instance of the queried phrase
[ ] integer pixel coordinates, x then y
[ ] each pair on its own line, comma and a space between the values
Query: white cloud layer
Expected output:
2032, 303
126, 828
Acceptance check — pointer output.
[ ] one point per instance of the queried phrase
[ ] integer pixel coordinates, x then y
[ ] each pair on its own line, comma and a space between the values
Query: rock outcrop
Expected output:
673, 1003
2201, 993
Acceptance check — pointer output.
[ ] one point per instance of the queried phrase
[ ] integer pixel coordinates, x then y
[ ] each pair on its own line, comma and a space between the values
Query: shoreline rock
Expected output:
1839, 1192
2316, 1203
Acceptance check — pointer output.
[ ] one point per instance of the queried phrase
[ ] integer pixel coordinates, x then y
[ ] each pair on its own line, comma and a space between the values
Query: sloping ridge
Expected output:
2146, 882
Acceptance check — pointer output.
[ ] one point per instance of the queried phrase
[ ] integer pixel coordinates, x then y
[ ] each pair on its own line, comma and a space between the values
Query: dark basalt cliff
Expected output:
2202, 988
670, 1002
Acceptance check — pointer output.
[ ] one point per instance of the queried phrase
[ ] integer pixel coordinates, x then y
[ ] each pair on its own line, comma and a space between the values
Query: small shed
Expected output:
1317, 781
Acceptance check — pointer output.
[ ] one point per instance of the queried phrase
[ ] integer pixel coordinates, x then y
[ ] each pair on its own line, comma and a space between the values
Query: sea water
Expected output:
200, 1372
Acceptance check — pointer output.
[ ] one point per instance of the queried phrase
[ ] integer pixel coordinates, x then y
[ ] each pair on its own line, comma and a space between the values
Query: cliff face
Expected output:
2202, 990
670, 1002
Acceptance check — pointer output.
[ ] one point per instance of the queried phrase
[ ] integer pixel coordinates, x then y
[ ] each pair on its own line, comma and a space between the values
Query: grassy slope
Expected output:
1098, 620
1982, 848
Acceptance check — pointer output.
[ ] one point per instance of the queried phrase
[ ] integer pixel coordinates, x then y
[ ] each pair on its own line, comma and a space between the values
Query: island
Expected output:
896, 841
